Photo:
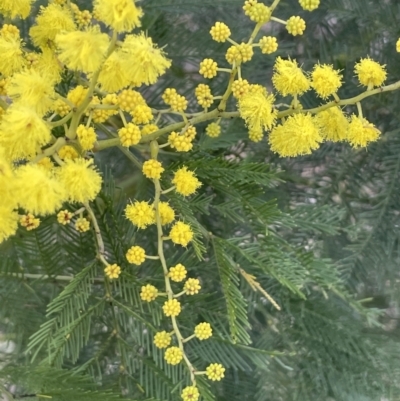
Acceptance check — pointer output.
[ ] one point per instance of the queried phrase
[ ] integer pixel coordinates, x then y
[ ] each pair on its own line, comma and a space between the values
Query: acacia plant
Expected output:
176, 275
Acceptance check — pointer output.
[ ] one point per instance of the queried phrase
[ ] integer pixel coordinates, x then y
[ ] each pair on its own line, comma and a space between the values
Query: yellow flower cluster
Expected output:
64, 217
177, 273
204, 95
215, 372
82, 225
167, 214
112, 271
29, 221
220, 32
87, 136
181, 233
149, 293
140, 213
129, 135
185, 181
152, 169
203, 331
173, 355
190, 393
175, 100
192, 286
136, 255
162, 339
182, 142
208, 68
172, 308
213, 130
257, 12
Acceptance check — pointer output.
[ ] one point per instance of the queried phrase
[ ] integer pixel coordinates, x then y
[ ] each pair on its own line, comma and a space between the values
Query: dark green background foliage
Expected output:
319, 232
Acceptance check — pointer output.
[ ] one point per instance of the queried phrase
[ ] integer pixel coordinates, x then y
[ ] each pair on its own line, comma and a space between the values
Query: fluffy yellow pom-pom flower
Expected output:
220, 32
162, 339
130, 135
203, 331
295, 25
136, 255
68, 152
112, 271
190, 393
215, 372
121, 15
38, 191
181, 233
114, 75
152, 169
167, 214
325, 80
87, 136
82, 50
81, 181
185, 181
12, 59
8, 222
213, 130
333, 124
12, 8
177, 273
370, 73
288, 78
141, 214
149, 293
172, 307
268, 44
173, 355
208, 68
361, 132
298, 135
192, 286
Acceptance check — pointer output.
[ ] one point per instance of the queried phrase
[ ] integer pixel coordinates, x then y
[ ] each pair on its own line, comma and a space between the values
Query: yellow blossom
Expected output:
185, 181
361, 132
177, 273
192, 286
46, 163
239, 53
9, 31
149, 129
121, 15
38, 191
143, 59
288, 78
333, 124
47, 65
213, 130
215, 372
309, 5
128, 99
142, 114
190, 393
152, 169
220, 32
129, 135
173, 355
82, 50
8, 222
370, 73
182, 142
12, 59
325, 80
136, 255
167, 214
12, 8
68, 152
149, 293
240, 87
257, 12
52, 20
141, 214
176, 101
87, 136
81, 181
162, 339
203, 331
172, 308
268, 44
64, 217
112, 271
29, 221
114, 76
82, 225
77, 95
298, 135
208, 68
181, 233
295, 26
204, 95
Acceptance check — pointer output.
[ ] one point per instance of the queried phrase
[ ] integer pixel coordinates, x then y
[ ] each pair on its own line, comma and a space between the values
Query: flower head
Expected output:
288, 78
325, 80
268, 44
309, 5
8, 222
68, 152
192, 286
182, 142
204, 95
141, 214
177, 273
298, 135
370, 73
172, 308
203, 331
81, 181
208, 68
239, 53
152, 169
173, 355
136, 255
29, 221
398, 46
185, 181
129, 135
295, 26
64, 217
149, 293
181, 233
12, 9
112, 271
162, 339
361, 132
190, 393
167, 214
12, 59
257, 12
82, 225
220, 32
215, 372
333, 124
87, 136
114, 75
121, 15
213, 130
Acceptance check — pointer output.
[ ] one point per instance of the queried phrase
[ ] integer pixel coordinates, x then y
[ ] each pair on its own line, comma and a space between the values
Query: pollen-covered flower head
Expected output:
370, 73
173, 355
288, 78
172, 308
152, 169
31, 89
162, 339
325, 80
81, 181
309, 5
181, 233
87, 136
136, 255
190, 393
121, 15
38, 191
52, 20
144, 61
361, 132
114, 76
220, 32
22, 131
12, 8
333, 124
215, 372
295, 25
268, 44
82, 50
257, 12
257, 110
112, 271
149, 293
185, 181
298, 135
167, 214
12, 59
140, 213
8, 222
